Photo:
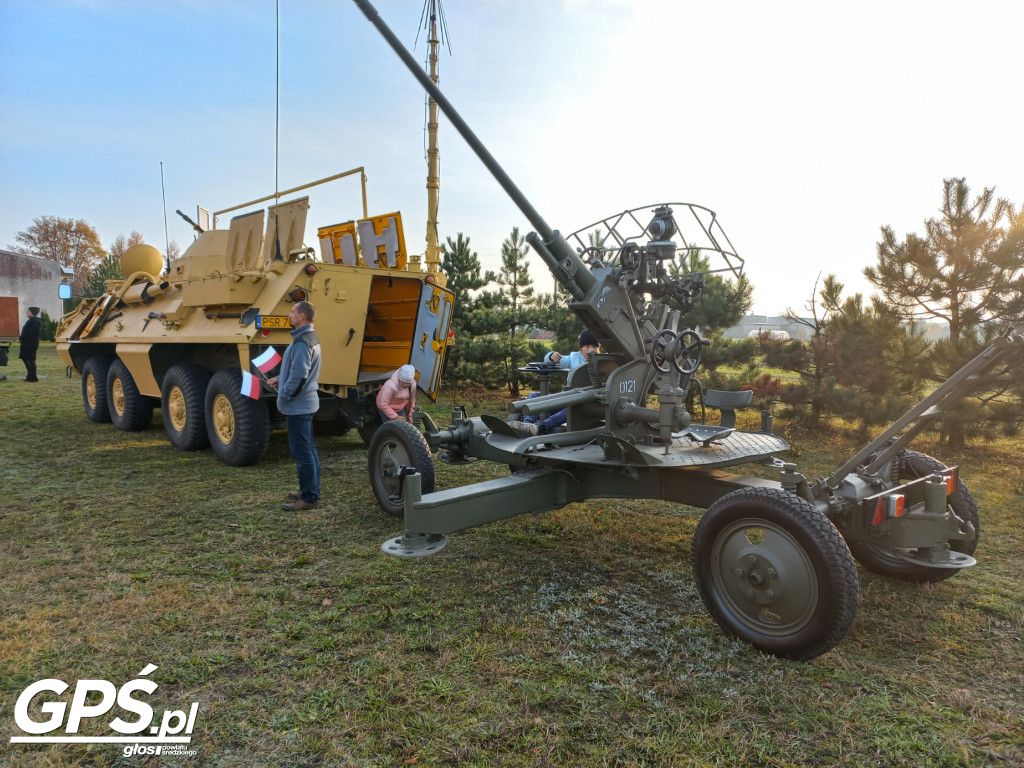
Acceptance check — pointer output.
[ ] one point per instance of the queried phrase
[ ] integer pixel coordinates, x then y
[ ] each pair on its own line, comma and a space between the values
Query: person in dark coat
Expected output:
29, 340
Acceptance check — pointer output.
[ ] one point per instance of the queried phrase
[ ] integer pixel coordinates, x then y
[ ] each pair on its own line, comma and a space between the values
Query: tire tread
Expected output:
415, 444
814, 532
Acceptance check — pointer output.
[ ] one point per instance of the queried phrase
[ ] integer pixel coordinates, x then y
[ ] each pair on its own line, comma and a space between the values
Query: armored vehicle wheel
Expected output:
238, 426
94, 389
183, 399
775, 572
129, 409
370, 427
397, 444
882, 560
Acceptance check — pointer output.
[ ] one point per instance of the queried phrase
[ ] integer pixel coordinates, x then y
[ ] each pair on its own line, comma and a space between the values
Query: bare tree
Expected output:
122, 244
72, 243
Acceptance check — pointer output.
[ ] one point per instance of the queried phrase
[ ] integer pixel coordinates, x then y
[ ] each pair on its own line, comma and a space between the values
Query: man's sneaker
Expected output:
522, 426
294, 495
299, 505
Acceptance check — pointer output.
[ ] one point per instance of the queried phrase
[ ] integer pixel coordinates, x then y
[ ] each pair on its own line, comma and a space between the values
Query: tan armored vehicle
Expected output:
183, 339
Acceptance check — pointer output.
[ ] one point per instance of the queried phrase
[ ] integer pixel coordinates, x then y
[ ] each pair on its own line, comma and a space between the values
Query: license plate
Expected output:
273, 321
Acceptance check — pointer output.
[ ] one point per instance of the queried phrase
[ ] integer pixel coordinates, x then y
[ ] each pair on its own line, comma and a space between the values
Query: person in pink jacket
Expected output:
397, 398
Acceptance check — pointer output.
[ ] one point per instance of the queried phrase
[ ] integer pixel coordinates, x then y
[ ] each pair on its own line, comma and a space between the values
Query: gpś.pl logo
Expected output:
172, 736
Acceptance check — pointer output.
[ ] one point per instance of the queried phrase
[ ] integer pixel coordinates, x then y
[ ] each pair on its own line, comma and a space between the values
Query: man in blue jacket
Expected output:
297, 399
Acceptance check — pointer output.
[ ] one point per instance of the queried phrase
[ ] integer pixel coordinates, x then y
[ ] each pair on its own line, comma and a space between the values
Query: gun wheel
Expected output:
773, 571
883, 560
660, 345
397, 444
687, 352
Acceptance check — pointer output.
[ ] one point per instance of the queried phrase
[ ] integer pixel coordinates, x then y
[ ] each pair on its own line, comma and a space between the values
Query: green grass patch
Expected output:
572, 638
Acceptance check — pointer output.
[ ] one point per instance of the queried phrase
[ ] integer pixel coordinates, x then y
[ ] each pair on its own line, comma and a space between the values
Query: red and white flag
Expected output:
268, 360
250, 385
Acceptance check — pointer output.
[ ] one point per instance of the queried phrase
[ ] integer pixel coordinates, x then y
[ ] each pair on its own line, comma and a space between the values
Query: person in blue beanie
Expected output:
588, 343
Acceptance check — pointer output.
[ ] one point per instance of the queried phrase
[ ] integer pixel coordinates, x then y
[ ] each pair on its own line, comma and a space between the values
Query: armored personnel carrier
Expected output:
184, 339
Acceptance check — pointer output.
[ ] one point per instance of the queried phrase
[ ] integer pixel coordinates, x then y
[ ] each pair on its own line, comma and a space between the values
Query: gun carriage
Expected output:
773, 559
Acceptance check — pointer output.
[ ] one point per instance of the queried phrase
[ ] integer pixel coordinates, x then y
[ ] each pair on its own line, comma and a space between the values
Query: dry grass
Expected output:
573, 638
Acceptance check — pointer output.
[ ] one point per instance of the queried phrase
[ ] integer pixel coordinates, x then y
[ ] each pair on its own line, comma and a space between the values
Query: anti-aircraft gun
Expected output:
773, 559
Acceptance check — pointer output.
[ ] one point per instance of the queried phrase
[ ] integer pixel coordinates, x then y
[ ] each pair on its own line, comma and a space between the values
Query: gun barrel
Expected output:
535, 219
556, 401
564, 263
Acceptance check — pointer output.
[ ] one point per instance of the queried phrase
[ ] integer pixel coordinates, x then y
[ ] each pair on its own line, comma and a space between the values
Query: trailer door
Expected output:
431, 337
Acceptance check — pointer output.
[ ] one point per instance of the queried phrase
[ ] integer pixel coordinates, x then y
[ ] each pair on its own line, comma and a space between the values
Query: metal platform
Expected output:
735, 448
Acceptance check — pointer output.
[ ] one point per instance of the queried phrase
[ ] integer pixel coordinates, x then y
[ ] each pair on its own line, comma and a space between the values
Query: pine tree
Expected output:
862, 361
47, 327
814, 361
967, 270
461, 265
501, 318
108, 269
723, 301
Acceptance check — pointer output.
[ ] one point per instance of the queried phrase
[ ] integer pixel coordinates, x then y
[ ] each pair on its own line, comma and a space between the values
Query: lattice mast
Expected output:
434, 23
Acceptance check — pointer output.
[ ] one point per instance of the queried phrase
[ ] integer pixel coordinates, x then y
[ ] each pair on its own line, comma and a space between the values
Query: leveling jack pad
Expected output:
414, 545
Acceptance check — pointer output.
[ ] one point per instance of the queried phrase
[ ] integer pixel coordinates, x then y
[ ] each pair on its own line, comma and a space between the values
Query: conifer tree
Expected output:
967, 270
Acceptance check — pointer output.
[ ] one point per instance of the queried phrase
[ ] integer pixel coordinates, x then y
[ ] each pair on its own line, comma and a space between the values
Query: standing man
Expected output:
298, 400
30, 342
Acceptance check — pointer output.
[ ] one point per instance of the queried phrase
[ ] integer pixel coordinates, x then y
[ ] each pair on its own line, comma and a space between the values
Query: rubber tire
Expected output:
184, 388
244, 423
94, 377
877, 560
796, 528
136, 410
397, 442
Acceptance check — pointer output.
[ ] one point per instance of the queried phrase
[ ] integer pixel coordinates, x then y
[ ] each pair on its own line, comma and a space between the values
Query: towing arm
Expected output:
884, 448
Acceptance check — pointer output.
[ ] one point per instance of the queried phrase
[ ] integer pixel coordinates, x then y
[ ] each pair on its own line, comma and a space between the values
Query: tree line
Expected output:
75, 245
866, 360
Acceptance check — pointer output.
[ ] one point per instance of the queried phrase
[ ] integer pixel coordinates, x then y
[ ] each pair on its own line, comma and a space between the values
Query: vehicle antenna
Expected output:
277, 132
433, 21
167, 237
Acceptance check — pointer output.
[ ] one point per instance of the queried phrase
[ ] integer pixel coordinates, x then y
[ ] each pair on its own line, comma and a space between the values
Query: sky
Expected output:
805, 125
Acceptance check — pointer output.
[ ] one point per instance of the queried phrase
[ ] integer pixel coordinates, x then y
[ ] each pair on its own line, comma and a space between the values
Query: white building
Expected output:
26, 281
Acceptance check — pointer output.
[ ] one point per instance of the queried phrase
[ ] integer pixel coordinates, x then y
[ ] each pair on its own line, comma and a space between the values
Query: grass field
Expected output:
572, 638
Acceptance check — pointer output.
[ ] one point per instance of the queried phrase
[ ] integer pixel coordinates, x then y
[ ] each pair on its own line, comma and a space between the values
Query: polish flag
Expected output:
267, 360
250, 385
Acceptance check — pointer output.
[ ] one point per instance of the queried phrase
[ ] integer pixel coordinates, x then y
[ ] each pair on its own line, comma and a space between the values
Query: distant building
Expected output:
26, 281
774, 333
934, 331
777, 327
752, 326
